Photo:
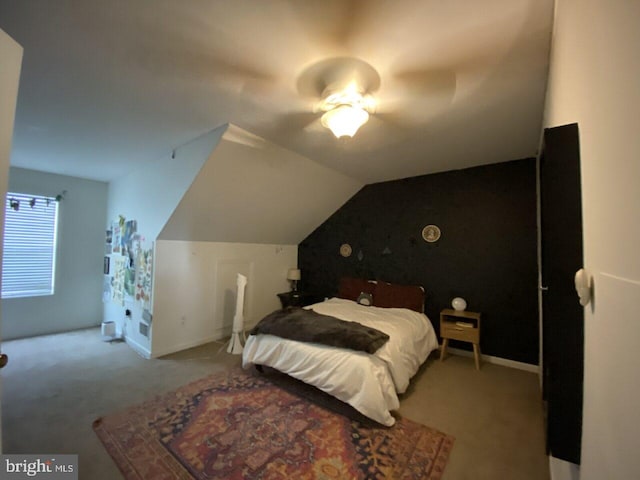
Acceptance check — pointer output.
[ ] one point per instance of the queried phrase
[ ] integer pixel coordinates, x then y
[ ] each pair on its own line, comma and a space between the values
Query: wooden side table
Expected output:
463, 326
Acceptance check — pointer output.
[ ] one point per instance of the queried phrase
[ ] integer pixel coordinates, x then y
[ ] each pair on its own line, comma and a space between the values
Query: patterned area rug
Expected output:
239, 425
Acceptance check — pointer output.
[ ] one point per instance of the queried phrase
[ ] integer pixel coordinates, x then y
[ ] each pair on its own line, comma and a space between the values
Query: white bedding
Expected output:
369, 383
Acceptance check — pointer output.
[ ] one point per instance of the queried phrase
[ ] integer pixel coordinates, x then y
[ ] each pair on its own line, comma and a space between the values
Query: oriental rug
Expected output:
240, 425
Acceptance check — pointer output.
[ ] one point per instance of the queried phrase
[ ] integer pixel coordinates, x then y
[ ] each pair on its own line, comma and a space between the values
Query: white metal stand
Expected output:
237, 336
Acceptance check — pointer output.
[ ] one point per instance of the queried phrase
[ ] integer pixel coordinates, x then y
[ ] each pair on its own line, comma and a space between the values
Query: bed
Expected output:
369, 382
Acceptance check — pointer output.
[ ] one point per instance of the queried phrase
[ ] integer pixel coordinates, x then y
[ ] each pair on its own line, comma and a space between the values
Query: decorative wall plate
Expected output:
431, 233
345, 250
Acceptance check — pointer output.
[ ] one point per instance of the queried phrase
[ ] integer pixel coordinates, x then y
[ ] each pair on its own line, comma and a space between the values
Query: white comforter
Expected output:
369, 383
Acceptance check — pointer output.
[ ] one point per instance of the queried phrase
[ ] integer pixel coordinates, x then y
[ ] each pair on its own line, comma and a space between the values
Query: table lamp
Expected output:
293, 275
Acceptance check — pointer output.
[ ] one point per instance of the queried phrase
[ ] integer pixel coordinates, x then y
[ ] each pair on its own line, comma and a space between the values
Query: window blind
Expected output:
28, 264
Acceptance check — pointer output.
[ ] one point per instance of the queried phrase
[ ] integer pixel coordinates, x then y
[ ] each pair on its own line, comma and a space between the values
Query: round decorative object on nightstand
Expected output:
459, 304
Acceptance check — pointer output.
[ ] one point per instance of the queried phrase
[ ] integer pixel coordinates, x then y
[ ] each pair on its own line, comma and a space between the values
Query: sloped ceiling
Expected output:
253, 191
107, 84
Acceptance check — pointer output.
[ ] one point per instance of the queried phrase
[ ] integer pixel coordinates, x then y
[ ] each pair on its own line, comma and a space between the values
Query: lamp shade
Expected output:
293, 274
345, 120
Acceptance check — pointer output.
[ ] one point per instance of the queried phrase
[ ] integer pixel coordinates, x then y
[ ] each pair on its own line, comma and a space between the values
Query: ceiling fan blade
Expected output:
379, 132
413, 97
315, 126
428, 82
292, 122
330, 22
292, 129
409, 113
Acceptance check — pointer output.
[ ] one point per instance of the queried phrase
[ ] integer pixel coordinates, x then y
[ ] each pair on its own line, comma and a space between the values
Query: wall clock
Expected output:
431, 233
345, 250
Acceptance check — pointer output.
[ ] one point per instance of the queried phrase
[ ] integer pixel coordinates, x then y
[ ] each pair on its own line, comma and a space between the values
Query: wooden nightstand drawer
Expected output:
457, 332
463, 326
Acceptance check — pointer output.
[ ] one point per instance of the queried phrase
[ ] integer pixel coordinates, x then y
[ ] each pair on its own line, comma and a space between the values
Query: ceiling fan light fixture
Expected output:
344, 120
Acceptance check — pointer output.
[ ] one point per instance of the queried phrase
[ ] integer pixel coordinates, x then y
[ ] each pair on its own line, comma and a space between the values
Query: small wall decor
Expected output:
345, 250
431, 233
128, 263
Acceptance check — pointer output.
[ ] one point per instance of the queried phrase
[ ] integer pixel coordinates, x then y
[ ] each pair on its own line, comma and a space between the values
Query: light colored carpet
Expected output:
55, 386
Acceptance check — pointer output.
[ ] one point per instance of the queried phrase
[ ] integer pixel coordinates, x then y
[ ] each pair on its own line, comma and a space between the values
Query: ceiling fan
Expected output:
345, 86
345, 90
276, 93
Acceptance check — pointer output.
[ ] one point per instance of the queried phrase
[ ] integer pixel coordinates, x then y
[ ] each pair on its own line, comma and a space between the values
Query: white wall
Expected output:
246, 212
253, 191
251, 199
149, 194
76, 302
195, 289
11, 55
595, 67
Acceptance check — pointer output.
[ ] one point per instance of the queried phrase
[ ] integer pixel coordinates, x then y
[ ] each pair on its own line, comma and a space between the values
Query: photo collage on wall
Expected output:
128, 265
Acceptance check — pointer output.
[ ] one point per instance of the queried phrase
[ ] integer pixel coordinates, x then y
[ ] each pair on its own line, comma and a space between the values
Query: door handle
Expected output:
583, 286
544, 289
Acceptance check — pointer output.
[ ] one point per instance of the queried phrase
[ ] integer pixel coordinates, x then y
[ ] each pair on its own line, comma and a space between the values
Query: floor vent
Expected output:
144, 329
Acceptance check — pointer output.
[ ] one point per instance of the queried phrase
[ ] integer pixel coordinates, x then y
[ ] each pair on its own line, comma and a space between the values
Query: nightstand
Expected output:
297, 299
463, 326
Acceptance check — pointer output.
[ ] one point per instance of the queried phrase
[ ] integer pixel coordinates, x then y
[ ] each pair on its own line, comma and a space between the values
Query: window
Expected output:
28, 265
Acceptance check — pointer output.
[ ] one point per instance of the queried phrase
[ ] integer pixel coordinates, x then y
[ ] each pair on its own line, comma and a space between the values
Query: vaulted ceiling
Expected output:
108, 84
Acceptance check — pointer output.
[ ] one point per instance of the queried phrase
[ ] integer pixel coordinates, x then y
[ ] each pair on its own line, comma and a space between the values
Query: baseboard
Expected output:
563, 470
505, 362
187, 345
139, 349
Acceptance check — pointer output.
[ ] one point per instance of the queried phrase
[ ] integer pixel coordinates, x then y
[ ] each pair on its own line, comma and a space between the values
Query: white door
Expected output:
11, 61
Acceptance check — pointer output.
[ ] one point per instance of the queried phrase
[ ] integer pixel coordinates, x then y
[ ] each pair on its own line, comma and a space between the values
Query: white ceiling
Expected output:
107, 84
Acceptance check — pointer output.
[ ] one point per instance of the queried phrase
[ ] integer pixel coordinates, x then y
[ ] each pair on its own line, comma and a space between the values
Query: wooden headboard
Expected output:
385, 294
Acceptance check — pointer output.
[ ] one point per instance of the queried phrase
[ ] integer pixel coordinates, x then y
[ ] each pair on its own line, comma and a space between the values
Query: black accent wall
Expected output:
486, 253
